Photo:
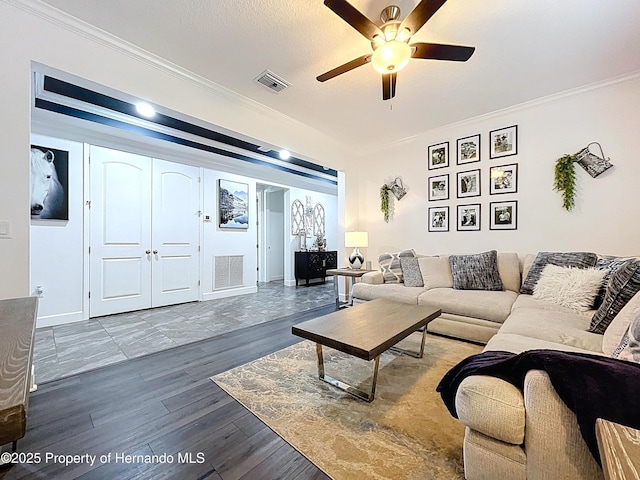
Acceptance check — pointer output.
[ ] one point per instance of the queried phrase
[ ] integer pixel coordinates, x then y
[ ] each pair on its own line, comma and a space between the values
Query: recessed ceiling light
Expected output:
145, 109
284, 154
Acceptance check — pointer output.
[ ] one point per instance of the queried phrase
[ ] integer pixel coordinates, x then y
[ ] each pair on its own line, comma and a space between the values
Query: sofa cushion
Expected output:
571, 287
375, 277
412, 277
436, 272
390, 265
476, 272
396, 292
622, 286
509, 268
492, 406
566, 328
562, 259
486, 305
618, 327
527, 301
511, 342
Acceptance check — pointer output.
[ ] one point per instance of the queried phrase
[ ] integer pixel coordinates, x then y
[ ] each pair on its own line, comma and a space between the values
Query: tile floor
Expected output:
64, 350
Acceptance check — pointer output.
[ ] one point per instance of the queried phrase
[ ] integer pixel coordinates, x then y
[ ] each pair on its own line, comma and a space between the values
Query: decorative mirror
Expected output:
297, 217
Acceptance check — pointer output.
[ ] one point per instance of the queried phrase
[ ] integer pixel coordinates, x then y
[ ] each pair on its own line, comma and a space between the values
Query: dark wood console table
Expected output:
312, 265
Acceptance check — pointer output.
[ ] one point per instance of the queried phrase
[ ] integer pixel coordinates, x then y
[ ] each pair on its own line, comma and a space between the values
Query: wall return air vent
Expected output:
272, 81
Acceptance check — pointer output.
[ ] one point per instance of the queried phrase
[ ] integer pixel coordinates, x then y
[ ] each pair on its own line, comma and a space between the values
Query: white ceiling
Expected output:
525, 49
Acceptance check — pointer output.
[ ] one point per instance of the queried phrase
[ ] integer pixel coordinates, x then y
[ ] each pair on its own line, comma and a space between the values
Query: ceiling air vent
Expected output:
272, 81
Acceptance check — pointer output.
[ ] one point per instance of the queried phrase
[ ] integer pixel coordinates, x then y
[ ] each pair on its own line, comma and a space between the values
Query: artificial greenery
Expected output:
565, 180
385, 207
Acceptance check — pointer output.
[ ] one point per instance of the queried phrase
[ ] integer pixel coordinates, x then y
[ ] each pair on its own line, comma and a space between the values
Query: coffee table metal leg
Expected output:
367, 397
419, 354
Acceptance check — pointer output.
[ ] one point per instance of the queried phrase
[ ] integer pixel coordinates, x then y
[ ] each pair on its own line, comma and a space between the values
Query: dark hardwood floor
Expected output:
162, 404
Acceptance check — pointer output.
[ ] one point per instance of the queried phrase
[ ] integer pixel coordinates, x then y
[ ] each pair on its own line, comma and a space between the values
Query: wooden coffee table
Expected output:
366, 331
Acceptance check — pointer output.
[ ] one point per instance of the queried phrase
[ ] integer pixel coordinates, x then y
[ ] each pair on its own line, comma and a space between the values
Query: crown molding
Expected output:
509, 110
79, 27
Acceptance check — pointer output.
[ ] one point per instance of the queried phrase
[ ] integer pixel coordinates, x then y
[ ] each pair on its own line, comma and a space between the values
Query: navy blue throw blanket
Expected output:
591, 386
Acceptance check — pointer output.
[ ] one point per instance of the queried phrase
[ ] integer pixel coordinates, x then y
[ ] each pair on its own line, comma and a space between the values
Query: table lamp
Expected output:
356, 240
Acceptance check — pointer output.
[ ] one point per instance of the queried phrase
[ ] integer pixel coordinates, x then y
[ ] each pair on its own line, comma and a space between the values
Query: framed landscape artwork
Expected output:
469, 183
438, 155
439, 187
503, 179
233, 204
503, 142
468, 150
503, 215
439, 219
468, 217
49, 183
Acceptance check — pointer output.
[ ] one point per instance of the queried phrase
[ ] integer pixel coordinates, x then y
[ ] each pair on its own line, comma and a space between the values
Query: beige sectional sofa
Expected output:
474, 315
511, 434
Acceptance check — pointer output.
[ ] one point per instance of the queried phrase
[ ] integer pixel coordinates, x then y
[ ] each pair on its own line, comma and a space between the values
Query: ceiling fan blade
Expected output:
353, 17
358, 62
389, 85
419, 16
439, 51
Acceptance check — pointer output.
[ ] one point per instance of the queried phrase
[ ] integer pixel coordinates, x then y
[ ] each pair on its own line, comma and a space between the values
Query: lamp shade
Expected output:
356, 239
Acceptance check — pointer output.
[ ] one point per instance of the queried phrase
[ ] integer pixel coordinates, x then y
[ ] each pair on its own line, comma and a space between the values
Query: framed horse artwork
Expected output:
49, 183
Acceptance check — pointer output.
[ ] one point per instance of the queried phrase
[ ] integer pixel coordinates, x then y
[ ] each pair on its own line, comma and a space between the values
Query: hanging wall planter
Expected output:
385, 206
565, 180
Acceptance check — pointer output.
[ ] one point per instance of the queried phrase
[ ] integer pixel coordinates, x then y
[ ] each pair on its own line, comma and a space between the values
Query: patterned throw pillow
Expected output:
629, 347
561, 259
390, 265
623, 285
611, 264
569, 287
476, 272
411, 272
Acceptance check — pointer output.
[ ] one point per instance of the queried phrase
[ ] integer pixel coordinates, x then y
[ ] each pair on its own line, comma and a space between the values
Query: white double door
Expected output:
144, 232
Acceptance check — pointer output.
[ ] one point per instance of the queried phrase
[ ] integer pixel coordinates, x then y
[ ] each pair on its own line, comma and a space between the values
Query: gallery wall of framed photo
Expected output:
460, 182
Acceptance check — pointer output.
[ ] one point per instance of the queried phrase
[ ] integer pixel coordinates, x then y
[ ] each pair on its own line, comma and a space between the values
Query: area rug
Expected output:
405, 433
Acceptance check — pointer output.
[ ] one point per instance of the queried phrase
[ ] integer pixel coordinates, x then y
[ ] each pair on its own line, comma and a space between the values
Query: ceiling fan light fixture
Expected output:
391, 57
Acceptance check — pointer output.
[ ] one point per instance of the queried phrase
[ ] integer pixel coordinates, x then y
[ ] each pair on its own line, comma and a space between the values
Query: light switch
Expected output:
5, 229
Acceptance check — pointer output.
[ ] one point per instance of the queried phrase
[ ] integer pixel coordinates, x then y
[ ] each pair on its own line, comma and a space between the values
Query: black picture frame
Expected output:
503, 142
468, 149
468, 217
438, 156
438, 187
439, 219
468, 183
503, 215
503, 179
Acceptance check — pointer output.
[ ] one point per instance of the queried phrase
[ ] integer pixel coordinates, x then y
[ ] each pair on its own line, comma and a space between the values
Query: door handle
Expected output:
155, 252
147, 252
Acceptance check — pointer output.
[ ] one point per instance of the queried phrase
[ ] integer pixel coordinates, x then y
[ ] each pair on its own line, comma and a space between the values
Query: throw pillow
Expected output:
618, 327
629, 347
390, 265
610, 264
623, 285
411, 272
561, 259
436, 272
570, 287
476, 272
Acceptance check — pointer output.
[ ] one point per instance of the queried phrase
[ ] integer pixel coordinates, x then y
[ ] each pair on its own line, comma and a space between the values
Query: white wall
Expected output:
333, 228
220, 241
603, 220
57, 248
33, 32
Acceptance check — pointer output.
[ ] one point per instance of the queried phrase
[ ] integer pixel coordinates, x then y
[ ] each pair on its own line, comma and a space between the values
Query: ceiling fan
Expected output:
390, 41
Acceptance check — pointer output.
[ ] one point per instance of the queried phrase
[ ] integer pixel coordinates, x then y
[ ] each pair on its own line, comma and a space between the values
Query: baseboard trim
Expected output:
231, 292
